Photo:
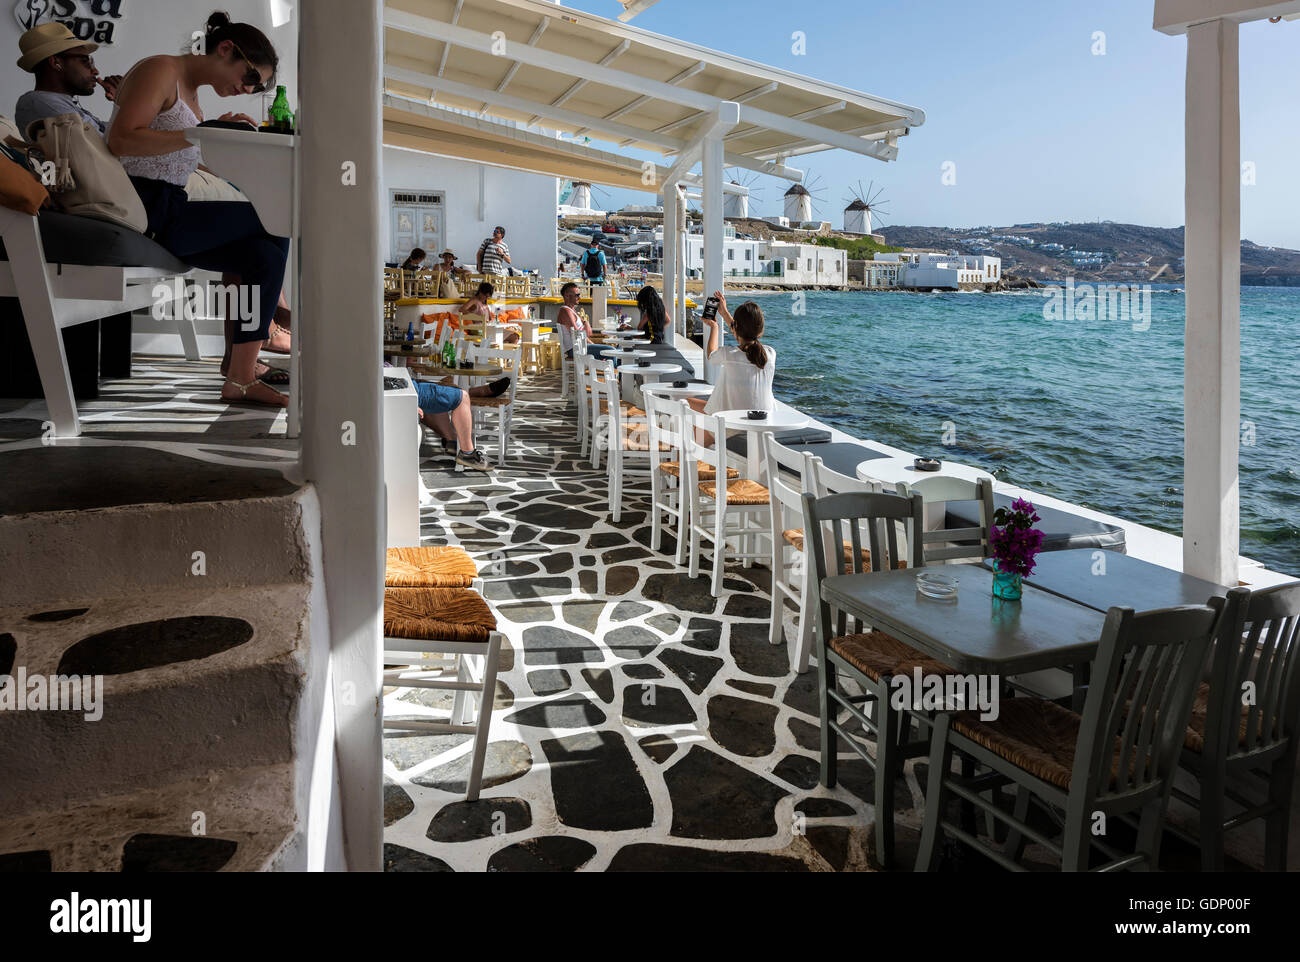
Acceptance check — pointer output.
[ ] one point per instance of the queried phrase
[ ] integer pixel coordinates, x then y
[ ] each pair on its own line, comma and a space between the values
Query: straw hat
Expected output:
40, 43
447, 253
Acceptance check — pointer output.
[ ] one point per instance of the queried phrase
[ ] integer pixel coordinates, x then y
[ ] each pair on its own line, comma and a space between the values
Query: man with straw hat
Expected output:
64, 71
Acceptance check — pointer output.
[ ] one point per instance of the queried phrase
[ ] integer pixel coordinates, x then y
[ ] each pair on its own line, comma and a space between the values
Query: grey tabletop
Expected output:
974, 633
1106, 579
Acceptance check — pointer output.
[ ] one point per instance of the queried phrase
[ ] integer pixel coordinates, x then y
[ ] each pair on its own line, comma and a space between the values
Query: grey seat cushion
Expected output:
841, 457
1061, 529
71, 239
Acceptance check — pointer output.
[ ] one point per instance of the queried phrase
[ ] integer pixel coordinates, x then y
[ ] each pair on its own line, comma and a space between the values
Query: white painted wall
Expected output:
524, 204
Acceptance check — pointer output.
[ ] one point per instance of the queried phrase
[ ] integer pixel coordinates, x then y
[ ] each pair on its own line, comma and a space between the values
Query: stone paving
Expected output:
639, 722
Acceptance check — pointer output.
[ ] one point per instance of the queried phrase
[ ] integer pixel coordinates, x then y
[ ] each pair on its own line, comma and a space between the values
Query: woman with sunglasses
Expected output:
156, 104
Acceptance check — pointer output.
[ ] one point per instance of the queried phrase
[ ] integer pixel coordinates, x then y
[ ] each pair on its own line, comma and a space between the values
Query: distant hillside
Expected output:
1120, 253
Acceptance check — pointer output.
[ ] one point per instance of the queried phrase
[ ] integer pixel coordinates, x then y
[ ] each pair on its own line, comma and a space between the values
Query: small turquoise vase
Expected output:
1006, 584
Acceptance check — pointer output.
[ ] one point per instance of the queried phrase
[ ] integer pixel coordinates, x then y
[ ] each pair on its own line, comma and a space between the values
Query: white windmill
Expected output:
864, 209
735, 202
803, 203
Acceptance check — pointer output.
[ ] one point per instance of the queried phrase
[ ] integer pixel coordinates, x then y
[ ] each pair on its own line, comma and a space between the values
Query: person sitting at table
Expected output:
448, 264
156, 104
654, 319
744, 381
415, 261
480, 303
569, 322
446, 411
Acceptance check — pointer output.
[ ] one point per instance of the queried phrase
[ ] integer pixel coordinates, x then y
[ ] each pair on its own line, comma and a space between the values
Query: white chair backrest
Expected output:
694, 428
664, 415
955, 543
826, 481
789, 473
507, 357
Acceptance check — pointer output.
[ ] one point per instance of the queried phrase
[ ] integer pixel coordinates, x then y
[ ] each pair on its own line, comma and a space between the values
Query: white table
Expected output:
895, 471
666, 389
627, 354
651, 370
785, 420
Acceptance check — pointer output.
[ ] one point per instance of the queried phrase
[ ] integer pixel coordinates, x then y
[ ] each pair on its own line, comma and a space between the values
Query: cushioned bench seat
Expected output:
84, 241
1061, 529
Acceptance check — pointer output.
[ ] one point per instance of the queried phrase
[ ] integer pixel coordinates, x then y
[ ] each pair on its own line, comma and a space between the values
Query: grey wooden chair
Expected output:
1242, 737
954, 544
869, 658
1116, 760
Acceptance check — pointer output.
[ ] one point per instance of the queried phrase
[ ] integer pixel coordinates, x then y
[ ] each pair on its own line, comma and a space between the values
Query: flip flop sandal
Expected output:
275, 377
244, 400
270, 334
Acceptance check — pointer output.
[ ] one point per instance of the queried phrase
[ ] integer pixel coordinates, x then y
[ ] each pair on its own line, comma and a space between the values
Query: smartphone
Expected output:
711, 308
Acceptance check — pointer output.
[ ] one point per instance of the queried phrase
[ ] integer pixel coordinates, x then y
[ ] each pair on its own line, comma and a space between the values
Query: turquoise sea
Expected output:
1089, 411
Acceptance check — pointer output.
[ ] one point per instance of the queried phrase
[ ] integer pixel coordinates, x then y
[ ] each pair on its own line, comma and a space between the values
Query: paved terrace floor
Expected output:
639, 723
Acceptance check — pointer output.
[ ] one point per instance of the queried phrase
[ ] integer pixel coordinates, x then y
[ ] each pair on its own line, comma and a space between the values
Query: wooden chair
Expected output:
740, 501
421, 622
1243, 734
951, 544
868, 658
1117, 759
790, 475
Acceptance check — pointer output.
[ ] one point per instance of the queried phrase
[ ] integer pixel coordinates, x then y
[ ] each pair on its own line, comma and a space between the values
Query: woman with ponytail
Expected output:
744, 381
156, 104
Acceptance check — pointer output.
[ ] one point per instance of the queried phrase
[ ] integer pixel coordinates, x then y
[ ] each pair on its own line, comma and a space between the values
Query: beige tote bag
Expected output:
88, 180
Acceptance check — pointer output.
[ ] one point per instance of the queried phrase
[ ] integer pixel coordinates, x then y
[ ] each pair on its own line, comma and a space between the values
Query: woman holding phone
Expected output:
745, 372
157, 103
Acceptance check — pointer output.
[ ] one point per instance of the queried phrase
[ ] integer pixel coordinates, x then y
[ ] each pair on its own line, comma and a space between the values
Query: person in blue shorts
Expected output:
446, 410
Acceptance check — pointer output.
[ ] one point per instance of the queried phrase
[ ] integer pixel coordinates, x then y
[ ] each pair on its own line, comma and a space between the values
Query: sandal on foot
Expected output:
246, 401
272, 332
275, 377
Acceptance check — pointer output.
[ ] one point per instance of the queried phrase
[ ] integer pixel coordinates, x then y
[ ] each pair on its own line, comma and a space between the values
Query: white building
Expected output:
810, 264
930, 270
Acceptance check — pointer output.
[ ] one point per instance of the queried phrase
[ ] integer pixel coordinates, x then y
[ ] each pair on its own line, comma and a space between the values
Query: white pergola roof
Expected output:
537, 63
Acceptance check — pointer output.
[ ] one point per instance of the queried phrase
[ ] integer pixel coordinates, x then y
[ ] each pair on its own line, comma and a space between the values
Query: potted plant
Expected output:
1015, 543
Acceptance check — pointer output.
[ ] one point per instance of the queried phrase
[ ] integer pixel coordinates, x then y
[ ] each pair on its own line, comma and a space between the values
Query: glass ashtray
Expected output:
934, 584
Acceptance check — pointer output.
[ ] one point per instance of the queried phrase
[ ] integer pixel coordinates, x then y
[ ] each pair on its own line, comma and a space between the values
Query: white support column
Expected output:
668, 265
341, 176
1212, 363
714, 224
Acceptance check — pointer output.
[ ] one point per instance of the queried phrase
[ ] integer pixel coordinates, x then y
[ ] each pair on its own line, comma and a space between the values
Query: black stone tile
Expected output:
596, 784
856, 776
802, 695
753, 687
549, 853
652, 706
408, 749
548, 681
703, 634
621, 580
825, 808
151, 644
558, 564
681, 592
660, 748
587, 582
468, 821
620, 555
798, 770
714, 798
50, 617
606, 539
505, 761
631, 642
400, 859
695, 671
574, 711
549, 645
627, 610
560, 538
649, 857
524, 534
743, 726
642, 672
397, 803
176, 853
754, 654
748, 606
831, 842
526, 588
557, 517
806, 735
601, 681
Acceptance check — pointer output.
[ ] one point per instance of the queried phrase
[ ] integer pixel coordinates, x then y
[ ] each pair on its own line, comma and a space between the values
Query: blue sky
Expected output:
1040, 129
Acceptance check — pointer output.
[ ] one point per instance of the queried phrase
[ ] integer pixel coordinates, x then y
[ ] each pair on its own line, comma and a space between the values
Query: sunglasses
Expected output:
252, 79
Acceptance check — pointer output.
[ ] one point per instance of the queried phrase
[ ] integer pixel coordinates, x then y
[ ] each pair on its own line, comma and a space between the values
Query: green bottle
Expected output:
281, 115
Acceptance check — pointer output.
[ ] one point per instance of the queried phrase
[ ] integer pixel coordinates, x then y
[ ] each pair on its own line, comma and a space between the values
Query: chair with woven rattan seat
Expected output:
504, 405
1114, 762
870, 659
733, 509
419, 622
789, 478
625, 432
430, 567
1242, 737
664, 431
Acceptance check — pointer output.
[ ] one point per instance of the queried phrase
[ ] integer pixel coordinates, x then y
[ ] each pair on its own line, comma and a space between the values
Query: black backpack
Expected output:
591, 265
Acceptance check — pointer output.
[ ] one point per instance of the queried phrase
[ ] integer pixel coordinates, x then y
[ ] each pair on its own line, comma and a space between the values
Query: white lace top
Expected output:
740, 386
176, 167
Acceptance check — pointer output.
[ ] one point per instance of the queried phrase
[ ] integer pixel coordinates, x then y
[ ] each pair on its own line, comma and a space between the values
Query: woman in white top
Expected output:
156, 104
744, 381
